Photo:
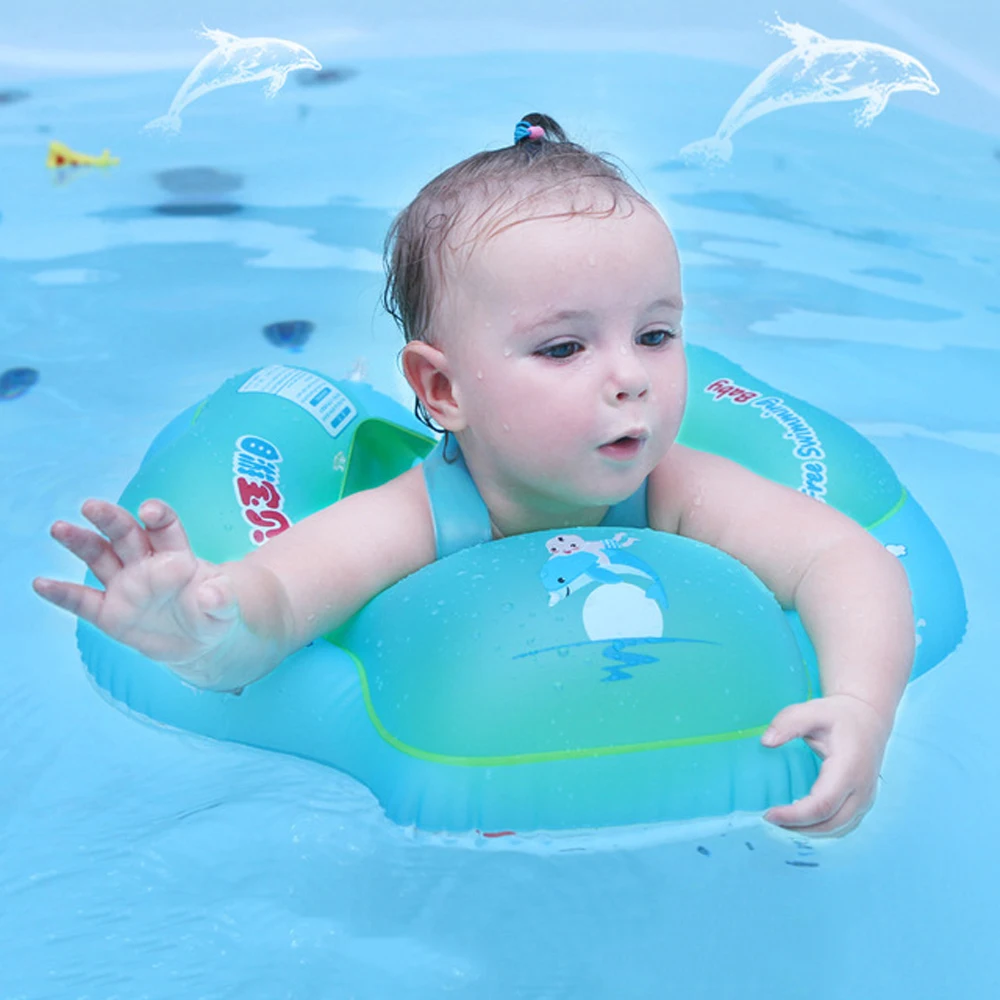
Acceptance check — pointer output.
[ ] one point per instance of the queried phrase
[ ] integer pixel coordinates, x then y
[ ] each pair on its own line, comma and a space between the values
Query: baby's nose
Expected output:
630, 380
623, 395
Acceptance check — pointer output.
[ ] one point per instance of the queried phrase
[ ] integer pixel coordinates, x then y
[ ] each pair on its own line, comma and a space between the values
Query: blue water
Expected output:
856, 268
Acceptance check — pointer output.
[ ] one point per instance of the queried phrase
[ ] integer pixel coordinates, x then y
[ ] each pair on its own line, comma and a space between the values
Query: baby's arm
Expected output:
333, 562
224, 626
853, 598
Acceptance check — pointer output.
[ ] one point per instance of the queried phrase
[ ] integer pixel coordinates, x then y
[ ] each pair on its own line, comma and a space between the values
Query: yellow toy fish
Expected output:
60, 155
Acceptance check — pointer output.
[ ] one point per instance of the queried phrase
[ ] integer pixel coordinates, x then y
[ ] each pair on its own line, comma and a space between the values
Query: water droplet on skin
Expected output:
506, 427
591, 260
479, 374
507, 352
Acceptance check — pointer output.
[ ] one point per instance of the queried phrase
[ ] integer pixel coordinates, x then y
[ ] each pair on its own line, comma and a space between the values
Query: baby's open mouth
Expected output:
625, 447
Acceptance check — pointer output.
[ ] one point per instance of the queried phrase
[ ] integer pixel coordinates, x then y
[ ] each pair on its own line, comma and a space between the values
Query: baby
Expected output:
540, 298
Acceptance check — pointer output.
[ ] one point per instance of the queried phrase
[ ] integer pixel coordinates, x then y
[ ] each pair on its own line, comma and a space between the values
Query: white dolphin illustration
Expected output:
817, 69
236, 60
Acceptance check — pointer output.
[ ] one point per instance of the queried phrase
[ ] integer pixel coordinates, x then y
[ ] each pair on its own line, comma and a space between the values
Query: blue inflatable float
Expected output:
595, 678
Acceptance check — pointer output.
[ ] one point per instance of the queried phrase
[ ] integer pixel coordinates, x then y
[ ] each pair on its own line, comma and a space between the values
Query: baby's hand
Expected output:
159, 598
850, 735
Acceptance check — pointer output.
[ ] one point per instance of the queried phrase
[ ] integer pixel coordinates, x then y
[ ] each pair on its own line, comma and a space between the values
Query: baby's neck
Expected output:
505, 523
513, 511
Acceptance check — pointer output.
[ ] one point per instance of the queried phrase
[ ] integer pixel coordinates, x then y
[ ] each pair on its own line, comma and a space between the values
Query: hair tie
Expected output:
525, 130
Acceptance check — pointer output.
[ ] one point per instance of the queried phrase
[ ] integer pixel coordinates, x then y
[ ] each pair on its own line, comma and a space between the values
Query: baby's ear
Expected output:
426, 369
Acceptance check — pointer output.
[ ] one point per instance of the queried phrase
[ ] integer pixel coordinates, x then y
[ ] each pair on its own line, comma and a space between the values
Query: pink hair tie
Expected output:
525, 130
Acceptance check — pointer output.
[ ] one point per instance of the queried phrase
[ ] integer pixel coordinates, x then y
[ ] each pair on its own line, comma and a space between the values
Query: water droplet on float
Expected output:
506, 606
563, 651
506, 427
507, 352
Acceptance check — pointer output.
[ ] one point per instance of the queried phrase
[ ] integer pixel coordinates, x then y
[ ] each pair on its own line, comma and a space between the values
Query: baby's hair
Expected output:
494, 184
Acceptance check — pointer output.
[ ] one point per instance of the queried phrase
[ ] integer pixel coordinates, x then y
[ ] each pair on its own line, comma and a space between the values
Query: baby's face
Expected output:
557, 332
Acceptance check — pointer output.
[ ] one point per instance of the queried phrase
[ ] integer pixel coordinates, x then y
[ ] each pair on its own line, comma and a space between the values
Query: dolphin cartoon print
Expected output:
816, 70
564, 574
236, 60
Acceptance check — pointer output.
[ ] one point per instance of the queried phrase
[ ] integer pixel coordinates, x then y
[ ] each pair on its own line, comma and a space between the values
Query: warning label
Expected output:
319, 398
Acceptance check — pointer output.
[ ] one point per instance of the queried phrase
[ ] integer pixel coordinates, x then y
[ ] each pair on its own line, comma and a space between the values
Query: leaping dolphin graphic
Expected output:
236, 60
564, 574
817, 69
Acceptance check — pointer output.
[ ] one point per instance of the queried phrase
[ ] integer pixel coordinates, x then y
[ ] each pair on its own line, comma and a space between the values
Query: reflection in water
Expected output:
236, 60
817, 69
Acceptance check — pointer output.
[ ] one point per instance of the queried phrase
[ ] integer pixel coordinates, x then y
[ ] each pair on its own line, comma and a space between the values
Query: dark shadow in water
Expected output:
325, 77
291, 333
13, 96
198, 208
199, 181
199, 191
16, 382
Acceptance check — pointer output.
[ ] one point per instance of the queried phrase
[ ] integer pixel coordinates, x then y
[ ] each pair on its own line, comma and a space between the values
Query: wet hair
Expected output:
479, 197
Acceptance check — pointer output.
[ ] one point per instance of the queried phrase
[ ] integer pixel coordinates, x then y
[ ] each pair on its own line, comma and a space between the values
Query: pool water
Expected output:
857, 268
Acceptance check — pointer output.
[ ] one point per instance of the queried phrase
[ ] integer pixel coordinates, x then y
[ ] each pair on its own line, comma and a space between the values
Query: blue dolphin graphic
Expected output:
564, 574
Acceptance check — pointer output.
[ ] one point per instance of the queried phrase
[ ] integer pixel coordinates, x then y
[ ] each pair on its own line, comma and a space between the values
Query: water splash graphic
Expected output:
236, 60
816, 70
617, 651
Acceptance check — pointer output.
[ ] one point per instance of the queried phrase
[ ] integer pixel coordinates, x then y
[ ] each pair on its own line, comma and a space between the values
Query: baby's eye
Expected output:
561, 351
656, 338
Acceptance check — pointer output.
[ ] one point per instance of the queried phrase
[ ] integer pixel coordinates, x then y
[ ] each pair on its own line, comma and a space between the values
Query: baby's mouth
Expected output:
623, 448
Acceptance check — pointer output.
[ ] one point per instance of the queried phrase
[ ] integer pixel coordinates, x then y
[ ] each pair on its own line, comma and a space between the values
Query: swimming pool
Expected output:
859, 268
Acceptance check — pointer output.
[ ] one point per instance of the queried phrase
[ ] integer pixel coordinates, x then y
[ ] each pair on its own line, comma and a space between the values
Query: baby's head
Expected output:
531, 283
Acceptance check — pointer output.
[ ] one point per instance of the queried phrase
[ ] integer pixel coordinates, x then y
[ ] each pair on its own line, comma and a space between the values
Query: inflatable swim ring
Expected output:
529, 683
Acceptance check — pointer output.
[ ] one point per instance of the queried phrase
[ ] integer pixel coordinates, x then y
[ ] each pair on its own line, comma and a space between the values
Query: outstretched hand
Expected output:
158, 597
850, 736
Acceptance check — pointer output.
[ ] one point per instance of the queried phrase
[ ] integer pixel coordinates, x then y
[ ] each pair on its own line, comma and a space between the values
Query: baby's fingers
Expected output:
126, 535
163, 527
821, 810
82, 601
90, 547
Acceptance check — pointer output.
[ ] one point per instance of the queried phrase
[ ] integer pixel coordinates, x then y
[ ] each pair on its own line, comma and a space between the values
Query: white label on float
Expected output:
318, 397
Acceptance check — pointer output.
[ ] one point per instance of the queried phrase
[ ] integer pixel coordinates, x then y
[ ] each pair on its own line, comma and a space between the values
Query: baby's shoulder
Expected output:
667, 488
687, 480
